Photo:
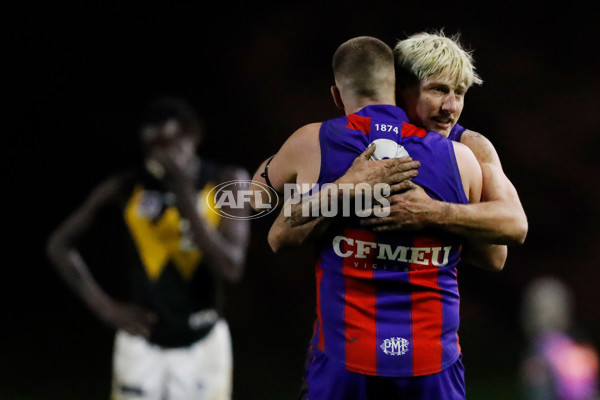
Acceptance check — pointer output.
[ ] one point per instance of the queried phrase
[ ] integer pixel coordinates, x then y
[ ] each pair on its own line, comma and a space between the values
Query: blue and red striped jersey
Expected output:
388, 303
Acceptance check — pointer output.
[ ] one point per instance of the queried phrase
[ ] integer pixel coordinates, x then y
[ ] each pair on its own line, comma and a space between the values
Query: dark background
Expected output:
79, 77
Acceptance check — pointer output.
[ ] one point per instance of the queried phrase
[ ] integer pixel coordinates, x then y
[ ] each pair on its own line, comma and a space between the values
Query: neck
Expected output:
359, 103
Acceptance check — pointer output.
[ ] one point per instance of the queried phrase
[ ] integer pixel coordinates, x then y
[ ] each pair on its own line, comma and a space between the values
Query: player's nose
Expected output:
450, 103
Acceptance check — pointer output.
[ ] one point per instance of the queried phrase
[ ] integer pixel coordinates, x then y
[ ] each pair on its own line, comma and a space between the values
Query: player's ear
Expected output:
337, 97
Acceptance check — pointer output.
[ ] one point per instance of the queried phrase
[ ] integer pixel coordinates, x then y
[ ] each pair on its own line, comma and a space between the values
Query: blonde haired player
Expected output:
426, 55
433, 74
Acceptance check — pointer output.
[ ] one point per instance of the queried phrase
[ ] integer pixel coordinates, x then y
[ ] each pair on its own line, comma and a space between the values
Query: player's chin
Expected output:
443, 128
445, 131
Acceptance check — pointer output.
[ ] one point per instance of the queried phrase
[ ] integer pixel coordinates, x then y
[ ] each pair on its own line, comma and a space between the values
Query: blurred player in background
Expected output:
560, 363
172, 340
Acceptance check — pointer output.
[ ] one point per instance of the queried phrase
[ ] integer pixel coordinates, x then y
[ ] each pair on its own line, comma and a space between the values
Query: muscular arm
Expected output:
63, 253
258, 184
297, 162
499, 218
295, 225
479, 254
414, 209
500, 209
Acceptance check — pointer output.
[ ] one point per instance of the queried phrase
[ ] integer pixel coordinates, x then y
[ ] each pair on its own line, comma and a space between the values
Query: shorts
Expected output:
144, 371
328, 380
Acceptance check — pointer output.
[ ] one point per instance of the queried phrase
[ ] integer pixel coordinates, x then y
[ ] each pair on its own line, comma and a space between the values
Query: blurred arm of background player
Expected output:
224, 247
62, 251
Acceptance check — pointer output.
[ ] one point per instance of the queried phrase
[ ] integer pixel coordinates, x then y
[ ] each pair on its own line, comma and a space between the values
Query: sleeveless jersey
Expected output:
456, 132
388, 303
167, 274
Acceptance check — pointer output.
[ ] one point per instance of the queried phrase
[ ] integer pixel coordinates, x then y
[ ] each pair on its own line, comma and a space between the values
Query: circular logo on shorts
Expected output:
227, 199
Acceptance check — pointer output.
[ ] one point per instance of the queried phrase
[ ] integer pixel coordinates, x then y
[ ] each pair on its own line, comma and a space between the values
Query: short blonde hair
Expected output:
424, 55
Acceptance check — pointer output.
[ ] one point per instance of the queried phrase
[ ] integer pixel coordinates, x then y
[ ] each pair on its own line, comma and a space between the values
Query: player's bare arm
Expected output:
500, 200
499, 218
301, 227
479, 254
297, 162
414, 210
224, 246
283, 167
258, 183
65, 256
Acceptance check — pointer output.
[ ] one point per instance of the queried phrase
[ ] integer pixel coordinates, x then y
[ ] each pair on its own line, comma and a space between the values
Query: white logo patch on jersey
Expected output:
386, 148
395, 346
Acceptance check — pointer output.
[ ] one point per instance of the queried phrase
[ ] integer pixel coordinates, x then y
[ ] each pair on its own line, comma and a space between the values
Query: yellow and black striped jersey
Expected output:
166, 273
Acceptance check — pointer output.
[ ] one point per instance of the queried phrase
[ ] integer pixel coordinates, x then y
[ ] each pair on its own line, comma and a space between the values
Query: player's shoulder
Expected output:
465, 157
303, 139
114, 186
307, 132
462, 150
469, 136
120, 180
469, 168
480, 145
